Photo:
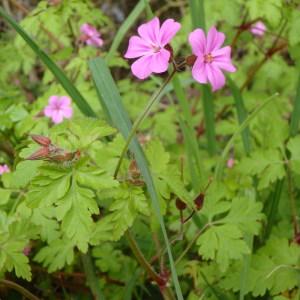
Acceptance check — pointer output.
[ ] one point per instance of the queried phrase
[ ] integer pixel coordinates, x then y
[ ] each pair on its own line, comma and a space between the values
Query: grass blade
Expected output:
295, 118
198, 13
91, 278
111, 99
192, 147
209, 119
56, 71
241, 113
130, 20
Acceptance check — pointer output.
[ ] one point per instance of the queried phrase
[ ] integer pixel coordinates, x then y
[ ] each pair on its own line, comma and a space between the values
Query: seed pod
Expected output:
180, 204
190, 60
199, 201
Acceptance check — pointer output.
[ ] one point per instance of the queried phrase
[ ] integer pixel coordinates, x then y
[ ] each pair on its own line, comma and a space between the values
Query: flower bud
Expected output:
180, 204
199, 201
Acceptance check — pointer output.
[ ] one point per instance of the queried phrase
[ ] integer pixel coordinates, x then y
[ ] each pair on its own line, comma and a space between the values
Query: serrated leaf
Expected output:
273, 269
129, 202
55, 256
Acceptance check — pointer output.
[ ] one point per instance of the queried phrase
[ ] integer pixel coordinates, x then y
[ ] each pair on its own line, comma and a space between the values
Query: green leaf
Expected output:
57, 72
271, 10
222, 243
14, 236
273, 269
294, 148
224, 239
128, 203
4, 196
267, 165
55, 256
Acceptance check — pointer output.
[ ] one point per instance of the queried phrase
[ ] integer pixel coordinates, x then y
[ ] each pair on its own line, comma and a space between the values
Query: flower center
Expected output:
208, 58
155, 48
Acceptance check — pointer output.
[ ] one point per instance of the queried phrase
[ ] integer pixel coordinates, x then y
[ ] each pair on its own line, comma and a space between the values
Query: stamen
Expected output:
208, 58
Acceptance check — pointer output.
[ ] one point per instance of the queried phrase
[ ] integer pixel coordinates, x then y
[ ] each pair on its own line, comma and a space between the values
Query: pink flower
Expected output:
58, 108
90, 35
230, 163
149, 47
211, 59
4, 169
258, 28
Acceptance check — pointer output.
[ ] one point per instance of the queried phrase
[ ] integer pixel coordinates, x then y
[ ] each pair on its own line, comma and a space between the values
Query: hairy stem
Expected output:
140, 119
18, 288
165, 290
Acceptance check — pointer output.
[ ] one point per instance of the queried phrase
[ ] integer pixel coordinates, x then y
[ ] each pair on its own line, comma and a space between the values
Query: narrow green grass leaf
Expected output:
91, 278
220, 165
241, 113
192, 147
209, 119
130, 20
198, 13
295, 118
56, 71
111, 99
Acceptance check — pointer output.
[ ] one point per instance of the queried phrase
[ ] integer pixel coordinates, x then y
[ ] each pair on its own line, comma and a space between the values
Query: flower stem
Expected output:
140, 119
166, 292
18, 288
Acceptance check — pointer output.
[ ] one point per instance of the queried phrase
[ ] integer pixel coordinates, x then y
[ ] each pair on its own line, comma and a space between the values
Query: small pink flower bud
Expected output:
90, 35
258, 29
4, 169
230, 163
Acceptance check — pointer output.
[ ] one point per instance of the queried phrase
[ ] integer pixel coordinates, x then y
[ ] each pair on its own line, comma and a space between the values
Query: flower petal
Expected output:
198, 42
215, 77
137, 47
65, 101
88, 29
57, 116
199, 71
94, 41
215, 39
160, 61
150, 31
48, 111
53, 100
222, 59
224, 65
168, 30
67, 112
141, 68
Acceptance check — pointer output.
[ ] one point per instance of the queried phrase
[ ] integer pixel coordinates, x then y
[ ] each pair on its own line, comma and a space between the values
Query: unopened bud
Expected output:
199, 201
190, 60
180, 204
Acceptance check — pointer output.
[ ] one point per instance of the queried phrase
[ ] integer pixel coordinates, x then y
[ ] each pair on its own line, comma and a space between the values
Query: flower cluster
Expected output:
153, 52
4, 169
58, 108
